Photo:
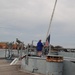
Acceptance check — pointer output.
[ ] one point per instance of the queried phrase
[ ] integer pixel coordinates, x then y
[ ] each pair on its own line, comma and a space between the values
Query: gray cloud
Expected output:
29, 19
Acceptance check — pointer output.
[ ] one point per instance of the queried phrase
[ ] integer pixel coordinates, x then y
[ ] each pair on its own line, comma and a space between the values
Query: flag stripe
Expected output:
47, 41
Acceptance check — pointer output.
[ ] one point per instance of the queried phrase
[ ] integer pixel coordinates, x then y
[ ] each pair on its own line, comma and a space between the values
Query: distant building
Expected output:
3, 45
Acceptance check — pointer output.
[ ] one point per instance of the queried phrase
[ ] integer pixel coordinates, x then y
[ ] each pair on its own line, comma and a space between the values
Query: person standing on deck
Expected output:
39, 48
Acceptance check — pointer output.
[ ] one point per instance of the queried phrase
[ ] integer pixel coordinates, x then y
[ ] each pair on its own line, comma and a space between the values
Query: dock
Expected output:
7, 69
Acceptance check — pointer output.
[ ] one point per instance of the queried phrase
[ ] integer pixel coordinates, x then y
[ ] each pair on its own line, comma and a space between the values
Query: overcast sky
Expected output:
28, 20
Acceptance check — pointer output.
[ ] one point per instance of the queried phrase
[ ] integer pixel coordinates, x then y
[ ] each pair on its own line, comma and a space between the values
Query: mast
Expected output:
51, 17
48, 32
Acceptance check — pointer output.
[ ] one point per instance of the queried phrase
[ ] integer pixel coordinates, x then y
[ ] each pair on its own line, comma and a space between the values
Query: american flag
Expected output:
47, 40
